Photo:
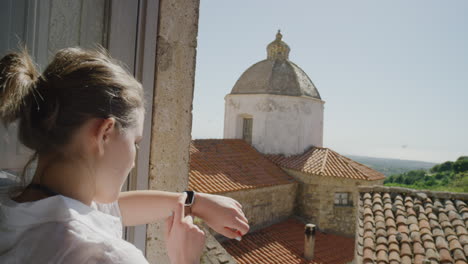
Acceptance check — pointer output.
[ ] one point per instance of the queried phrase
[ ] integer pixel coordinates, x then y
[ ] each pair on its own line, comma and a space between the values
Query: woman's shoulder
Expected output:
64, 212
76, 240
90, 246
64, 242
108, 208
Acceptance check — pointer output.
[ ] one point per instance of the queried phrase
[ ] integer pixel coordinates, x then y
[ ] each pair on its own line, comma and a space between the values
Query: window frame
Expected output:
342, 202
247, 136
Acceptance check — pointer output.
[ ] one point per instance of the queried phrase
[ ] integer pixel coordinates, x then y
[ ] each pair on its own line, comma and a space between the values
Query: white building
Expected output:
275, 106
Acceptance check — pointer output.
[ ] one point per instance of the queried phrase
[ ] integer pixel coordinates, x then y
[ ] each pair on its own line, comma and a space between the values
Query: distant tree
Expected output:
388, 179
435, 168
426, 178
448, 175
408, 180
398, 179
430, 182
419, 183
445, 181
420, 174
460, 165
462, 181
446, 166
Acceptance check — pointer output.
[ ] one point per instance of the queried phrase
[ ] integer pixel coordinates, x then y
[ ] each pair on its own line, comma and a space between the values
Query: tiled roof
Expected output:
399, 225
226, 165
326, 162
284, 243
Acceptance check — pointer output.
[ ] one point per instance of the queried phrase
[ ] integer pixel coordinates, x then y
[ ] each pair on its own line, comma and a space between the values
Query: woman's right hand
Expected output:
184, 240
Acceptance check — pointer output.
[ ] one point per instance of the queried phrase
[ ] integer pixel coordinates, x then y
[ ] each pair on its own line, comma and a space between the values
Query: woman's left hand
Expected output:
223, 214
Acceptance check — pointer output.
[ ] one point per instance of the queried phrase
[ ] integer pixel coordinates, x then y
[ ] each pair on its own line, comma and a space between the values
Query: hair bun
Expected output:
18, 76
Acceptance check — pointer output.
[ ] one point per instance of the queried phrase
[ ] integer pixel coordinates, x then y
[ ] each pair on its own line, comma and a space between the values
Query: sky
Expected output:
393, 74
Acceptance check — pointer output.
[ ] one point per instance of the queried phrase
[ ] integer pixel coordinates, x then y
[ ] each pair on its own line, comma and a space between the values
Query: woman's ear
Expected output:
104, 132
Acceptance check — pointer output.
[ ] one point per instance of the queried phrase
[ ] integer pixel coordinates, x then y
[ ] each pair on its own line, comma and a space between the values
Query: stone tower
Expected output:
275, 106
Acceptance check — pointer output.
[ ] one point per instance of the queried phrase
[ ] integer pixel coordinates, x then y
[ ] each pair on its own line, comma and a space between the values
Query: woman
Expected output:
84, 118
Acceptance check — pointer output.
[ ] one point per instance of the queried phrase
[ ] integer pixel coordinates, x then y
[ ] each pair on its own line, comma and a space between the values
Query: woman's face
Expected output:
118, 160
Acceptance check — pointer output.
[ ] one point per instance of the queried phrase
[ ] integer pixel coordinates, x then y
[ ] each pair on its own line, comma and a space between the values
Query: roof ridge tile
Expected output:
322, 168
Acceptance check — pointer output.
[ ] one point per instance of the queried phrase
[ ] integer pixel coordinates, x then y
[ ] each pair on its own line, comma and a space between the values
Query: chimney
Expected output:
309, 241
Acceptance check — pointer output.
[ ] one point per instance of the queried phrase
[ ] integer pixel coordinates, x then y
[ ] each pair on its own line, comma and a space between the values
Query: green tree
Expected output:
388, 179
449, 176
439, 176
444, 181
430, 182
398, 179
460, 165
408, 180
446, 166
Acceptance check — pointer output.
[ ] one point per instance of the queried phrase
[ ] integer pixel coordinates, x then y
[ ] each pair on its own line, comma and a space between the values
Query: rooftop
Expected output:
326, 162
284, 243
399, 225
227, 165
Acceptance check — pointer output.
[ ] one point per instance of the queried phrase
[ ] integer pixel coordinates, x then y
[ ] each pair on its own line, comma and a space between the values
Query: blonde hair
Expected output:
76, 86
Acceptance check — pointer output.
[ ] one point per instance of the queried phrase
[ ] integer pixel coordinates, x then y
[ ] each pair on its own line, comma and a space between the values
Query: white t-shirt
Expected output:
59, 229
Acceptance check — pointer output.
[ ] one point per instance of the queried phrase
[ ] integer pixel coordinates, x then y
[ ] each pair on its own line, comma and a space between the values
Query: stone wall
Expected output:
315, 201
172, 111
268, 205
214, 252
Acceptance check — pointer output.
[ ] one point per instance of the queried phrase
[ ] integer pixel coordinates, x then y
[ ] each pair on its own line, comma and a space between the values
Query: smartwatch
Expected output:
189, 201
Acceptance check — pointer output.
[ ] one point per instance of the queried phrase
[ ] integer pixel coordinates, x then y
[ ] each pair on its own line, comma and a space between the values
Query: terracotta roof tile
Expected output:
326, 162
421, 226
226, 165
382, 256
284, 243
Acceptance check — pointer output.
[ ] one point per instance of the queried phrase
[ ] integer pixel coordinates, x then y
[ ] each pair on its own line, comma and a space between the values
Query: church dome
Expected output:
276, 75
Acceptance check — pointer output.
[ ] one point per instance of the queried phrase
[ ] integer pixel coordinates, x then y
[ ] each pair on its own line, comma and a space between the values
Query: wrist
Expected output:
198, 204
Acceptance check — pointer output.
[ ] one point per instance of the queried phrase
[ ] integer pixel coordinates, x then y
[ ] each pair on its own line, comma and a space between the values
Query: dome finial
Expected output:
278, 35
278, 49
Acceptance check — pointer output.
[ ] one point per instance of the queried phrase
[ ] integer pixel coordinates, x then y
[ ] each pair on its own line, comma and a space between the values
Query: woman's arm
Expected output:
223, 214
144, 207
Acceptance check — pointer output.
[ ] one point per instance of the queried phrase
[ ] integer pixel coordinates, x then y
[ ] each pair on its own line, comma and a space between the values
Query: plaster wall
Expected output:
315, 201
281, 124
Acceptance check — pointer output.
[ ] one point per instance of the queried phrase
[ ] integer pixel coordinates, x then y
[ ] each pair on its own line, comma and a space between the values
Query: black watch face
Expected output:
189, 199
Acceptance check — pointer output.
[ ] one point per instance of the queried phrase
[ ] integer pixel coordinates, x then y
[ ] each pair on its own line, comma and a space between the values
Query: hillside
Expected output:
448, 176
392, 166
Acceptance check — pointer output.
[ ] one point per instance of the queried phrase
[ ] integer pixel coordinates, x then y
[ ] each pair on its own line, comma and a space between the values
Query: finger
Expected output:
239, 213
195, 227
243, 218
230, 233
179, 209
242, 226
189, 219
169, 222
201, 234
238, 204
